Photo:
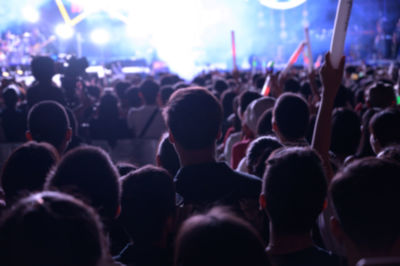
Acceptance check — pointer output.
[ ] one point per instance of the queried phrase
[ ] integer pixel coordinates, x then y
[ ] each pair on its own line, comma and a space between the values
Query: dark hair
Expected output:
291, 115
148, 199
258, 152
365, 197
48, 121
26, 169
385, 126
245, 98
194, 117
220, 86
264, 124
132, 95
165, 94
149, 90
390, 153
51, 228
381, 95
365, 148
10, 97
292, 85
121, 87
168, 158
169, 80
227, 98
43, 68
346, 132
295, 188
218, 238
108, 108
89, 173
125, 168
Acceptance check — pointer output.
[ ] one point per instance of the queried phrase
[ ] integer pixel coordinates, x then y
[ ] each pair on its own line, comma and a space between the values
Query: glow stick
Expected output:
309, 53
318, 62
266, 87
293, 58
233, 49
343, 12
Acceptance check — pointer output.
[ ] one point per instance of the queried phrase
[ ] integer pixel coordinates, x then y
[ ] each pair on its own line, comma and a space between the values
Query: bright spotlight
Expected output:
31, 14
282, 5
100, 36
64, 31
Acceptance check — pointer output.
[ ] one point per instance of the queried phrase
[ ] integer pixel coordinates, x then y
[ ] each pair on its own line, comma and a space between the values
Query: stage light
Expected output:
64, 31
282, 5
31, 14
100, 36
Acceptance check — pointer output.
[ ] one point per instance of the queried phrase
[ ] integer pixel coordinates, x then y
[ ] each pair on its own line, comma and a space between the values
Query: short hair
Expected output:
346, 132
381, 95
258, 152
168, 157
194, 117
390, 153
291, 115
132, 96
245, 98
295, 188
218, 238
220, 86
385, 126
365, 198
125, 168
149, 90
10, 97
264, 123
88, 173
43, 68
165, 94
51, 228
292, 85
148, 199
26, 169
48, 122
227, 98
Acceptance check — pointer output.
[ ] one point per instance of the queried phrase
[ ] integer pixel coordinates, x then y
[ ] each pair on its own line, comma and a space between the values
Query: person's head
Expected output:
120, 88
48, 122
148, 90
381, 95
125, 168
220, 86
227, 98
365, 148
264, 123
258, 152
10, 96
167, 157
292, 85
43, 68
390, 153
346, 132
148, 204
218, 238
365, 198
245, 98
294, 190
254, 111
132, 97
108, 108
51, 228
384, 128
88, 173
165, 93
26, 169
290, 117
193, 117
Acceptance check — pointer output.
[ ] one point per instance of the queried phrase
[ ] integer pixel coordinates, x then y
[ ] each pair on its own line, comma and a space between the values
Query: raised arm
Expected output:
331, 80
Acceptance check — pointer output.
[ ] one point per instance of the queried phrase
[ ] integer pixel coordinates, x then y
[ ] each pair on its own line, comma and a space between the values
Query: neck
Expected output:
191, 157
284, 244
354, 254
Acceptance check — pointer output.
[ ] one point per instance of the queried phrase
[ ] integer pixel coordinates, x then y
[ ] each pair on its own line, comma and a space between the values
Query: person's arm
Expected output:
331, 80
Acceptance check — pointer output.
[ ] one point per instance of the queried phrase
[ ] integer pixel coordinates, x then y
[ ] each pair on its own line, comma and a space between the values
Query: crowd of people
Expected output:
306, 175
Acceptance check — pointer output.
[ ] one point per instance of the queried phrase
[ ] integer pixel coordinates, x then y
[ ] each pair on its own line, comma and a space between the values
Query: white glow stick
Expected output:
310, 57
293, 58
343, 12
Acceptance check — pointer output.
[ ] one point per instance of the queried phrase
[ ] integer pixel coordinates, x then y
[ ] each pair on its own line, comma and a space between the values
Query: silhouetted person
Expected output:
167, 157
13, 119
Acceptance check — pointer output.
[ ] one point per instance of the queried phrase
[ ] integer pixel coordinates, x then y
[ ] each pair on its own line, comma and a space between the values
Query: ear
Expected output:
171, 137
375, 145
219, 135
68, 135
118, 212
337, 230
158, 160
262, 201
28, 135
274, 127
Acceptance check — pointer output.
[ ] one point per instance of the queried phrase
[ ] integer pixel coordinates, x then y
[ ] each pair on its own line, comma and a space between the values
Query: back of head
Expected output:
167, 157
291, 115
48, 122
26, 169
218, 238
51, 228
10, 96
381, 95
194, 117
43, 68
366, 198
385, 127
121, 87
258, 152
220, 86
148, 200
264, 123
108, 108
132, 95
294, 188
165, 94
346, 132
245, 98
88, 173
149, 90
227, 98
292, 85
